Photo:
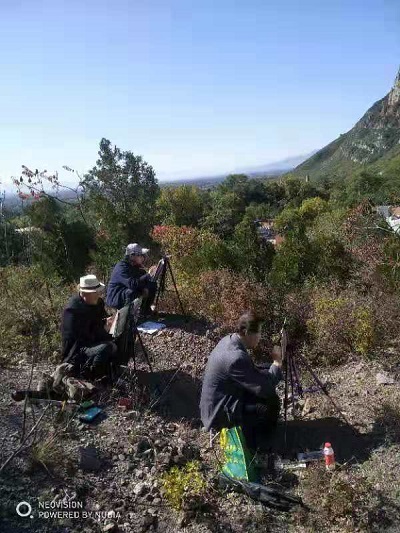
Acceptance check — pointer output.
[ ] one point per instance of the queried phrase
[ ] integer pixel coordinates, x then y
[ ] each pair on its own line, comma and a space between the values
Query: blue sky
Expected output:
196, 87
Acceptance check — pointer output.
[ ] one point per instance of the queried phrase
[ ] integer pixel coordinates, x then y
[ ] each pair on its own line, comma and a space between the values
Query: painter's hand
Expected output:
152, 270
277, 355
108, 323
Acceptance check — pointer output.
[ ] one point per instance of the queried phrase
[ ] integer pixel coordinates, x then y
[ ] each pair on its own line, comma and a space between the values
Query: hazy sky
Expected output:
196, 87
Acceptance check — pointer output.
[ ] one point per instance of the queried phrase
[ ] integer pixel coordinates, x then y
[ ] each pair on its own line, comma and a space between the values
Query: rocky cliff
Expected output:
375, 135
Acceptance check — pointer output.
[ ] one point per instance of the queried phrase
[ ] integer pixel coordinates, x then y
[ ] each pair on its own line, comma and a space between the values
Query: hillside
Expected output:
375, 137
137, 447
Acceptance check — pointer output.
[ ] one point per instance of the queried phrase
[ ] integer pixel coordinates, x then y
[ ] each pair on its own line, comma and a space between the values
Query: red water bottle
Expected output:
329, 456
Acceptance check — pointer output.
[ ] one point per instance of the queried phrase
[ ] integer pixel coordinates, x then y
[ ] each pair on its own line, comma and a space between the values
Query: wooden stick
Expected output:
14, 454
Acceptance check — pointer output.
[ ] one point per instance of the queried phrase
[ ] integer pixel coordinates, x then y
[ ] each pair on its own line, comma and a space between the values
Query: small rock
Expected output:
141, 489
382, 378
110, 527
148, 520
142, 446
121, 457
131, 415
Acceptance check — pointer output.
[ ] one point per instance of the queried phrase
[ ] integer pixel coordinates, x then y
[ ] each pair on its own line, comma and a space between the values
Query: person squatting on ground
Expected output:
129, 280
86, 343
235, 391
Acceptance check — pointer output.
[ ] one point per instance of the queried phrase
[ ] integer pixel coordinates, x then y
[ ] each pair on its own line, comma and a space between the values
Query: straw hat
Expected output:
90, 283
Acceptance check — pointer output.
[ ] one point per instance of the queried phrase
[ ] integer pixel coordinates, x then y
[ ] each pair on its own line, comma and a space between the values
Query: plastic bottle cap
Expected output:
328, 445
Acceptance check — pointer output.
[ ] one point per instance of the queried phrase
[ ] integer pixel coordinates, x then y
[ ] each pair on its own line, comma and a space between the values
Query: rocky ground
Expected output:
117, 464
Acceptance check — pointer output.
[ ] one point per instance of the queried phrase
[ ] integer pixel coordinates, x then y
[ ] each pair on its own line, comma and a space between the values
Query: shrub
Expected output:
292, 263
181, 206
192, 250
49, 453
184, 487
342, 502
340, 325
30, 307
346, 322
222, 296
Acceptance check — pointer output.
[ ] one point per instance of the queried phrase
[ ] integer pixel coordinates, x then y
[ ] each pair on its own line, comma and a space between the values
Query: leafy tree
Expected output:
296, 220
275, 194
293, 263
181, 206
331, 259
312, 208
296, 191
249, 190
226, 211
121, 193
362, 185
253, 256
11, 244
62, 246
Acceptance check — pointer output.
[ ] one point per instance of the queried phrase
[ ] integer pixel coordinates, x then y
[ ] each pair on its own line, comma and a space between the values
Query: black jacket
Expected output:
230, 376
82, 325
126, 284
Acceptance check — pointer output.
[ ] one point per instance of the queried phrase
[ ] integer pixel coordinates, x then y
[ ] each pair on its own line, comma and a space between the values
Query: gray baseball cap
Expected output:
136, 249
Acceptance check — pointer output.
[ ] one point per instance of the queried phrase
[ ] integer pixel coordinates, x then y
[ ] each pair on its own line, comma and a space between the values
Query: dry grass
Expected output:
339, 501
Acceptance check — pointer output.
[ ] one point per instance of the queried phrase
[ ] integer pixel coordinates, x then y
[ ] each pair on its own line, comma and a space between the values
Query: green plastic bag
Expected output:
238, 462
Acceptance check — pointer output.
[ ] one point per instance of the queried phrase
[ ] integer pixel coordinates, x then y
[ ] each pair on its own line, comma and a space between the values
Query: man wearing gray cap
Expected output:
129, 280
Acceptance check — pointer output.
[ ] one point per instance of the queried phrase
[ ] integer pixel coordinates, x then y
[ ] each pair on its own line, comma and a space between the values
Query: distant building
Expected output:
391, 214
267, 232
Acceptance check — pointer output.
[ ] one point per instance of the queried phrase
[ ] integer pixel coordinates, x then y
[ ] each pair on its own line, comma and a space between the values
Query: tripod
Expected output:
160, 276
292, 379
131, 334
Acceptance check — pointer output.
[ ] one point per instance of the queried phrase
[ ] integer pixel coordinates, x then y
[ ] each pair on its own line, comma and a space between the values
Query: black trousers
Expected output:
95, 361
259, 418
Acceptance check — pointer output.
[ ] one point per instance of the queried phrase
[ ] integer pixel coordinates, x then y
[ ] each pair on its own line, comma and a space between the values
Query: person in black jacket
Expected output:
236, 392
129, 280
86, 343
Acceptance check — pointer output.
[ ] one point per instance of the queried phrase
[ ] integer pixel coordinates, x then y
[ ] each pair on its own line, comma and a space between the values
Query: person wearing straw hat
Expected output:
86, 343
129, 280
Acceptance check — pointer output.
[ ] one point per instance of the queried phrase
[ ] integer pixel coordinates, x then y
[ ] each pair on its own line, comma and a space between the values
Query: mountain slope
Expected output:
376, 135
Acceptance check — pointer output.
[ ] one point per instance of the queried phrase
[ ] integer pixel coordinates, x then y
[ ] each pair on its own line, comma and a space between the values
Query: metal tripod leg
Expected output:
136, 334
175, 287
291, 376
285, 404
322, 387
297, 378
161, 285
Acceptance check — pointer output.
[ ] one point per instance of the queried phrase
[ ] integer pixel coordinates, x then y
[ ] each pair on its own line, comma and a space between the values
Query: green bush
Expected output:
345, 323
31, 303
184, 487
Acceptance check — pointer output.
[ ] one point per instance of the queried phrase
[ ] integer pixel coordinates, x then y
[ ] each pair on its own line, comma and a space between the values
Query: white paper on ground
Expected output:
151, 327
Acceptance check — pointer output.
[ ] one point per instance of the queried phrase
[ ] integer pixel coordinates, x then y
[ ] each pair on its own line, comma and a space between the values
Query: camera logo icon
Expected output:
24, 509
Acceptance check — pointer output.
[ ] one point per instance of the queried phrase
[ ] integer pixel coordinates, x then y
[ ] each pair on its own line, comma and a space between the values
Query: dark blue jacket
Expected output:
126, 284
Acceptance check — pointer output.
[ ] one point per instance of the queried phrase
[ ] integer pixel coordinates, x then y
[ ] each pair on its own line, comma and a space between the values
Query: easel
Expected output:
160, 276
292, 379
